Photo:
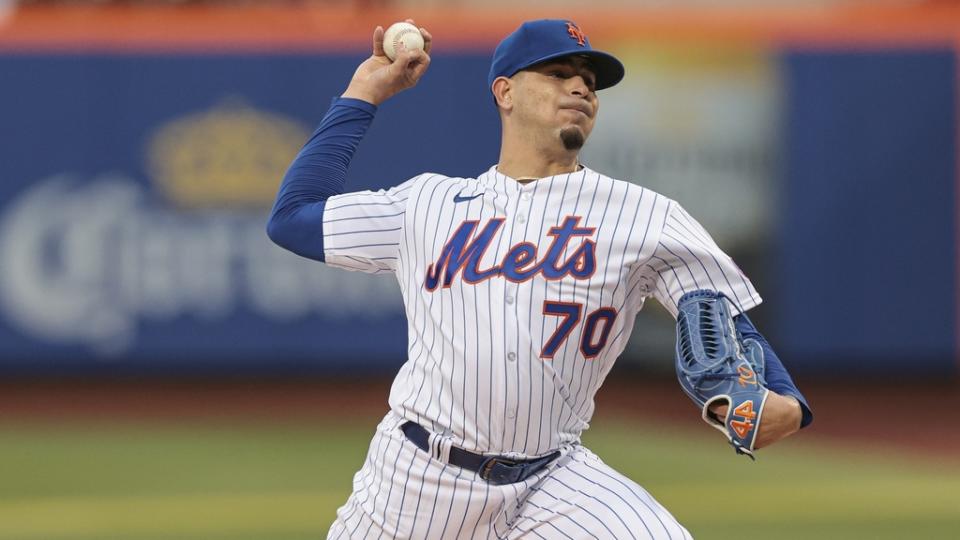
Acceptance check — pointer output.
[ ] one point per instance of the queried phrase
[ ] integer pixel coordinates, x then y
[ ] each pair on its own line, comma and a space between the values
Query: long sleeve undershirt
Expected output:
317, 173
775, 373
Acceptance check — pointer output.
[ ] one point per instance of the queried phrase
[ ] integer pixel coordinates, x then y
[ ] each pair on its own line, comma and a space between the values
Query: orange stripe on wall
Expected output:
293, 28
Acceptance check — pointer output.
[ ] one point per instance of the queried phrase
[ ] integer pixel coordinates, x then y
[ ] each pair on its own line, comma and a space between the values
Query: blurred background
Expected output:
166, 372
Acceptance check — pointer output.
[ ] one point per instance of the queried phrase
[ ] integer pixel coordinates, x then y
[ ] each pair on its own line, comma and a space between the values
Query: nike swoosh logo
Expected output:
459, 198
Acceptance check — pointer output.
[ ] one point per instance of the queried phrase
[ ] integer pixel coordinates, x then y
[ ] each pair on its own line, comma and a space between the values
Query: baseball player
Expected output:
521, 287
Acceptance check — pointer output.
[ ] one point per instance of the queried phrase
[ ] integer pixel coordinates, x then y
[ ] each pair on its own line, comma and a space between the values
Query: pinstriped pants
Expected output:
402, 492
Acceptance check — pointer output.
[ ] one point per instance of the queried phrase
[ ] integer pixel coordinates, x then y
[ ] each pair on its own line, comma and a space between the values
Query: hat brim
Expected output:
607, 68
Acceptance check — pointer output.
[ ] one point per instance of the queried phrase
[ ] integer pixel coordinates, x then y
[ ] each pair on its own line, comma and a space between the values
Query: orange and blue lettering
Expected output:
461, 254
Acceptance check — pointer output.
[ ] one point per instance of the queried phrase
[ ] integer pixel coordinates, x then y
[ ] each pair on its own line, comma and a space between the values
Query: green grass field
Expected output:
284, 482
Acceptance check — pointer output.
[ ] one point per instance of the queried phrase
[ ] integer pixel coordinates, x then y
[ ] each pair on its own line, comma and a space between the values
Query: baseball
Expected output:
401, 32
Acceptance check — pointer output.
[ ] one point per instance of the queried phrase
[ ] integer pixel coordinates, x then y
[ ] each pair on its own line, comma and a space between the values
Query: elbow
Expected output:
280, 232
275, 229
295, 233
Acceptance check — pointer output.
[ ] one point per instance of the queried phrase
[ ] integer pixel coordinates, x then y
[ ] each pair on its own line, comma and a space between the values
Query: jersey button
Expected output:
511, 414
525, 196
511, 356
521, 218
509, 299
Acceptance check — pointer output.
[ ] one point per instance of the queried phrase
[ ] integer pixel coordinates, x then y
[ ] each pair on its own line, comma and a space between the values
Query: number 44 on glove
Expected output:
715, 366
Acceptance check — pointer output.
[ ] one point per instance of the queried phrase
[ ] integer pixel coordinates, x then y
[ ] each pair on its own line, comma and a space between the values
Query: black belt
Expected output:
494, 469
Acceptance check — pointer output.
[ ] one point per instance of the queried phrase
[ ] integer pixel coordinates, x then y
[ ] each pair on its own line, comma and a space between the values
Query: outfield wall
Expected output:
140, 150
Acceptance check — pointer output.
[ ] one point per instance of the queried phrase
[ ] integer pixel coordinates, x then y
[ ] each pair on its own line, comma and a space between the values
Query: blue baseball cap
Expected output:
548, 39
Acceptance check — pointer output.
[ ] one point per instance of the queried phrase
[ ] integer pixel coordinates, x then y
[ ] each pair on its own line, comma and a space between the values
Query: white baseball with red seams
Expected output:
401, 32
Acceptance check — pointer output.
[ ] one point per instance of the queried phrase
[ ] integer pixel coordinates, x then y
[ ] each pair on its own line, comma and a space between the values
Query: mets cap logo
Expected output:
576, 33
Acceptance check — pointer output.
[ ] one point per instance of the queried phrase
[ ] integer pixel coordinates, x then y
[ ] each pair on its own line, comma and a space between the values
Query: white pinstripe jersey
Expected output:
519, 297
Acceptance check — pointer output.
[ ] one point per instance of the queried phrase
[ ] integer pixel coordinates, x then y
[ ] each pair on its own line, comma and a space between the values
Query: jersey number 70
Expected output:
590, 343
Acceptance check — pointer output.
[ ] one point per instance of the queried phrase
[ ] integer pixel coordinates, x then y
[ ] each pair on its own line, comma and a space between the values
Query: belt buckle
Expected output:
510, 474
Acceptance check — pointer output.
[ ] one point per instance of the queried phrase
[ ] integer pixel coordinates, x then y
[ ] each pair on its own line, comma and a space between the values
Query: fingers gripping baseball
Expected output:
378, 78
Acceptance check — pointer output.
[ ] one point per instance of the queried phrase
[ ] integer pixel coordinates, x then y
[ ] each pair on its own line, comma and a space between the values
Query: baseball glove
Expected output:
713, 365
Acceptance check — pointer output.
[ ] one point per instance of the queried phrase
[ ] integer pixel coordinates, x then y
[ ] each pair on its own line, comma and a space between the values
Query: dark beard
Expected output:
572, 138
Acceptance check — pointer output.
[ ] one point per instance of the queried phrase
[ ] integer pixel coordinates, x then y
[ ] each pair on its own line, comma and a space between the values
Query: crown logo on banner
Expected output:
231, 155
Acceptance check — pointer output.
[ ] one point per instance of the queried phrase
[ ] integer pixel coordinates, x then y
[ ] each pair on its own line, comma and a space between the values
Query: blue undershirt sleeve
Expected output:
776, 374
317, 173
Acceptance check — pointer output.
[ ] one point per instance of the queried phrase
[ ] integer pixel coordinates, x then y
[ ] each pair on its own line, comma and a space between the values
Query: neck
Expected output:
523, 160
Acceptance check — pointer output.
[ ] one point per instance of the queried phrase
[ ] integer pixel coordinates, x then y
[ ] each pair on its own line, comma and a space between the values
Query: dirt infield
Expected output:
920, 417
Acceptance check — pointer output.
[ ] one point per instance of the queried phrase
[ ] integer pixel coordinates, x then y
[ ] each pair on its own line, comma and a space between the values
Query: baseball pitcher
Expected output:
521, 286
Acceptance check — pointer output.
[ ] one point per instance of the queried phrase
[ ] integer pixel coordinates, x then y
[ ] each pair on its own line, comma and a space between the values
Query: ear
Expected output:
502, 92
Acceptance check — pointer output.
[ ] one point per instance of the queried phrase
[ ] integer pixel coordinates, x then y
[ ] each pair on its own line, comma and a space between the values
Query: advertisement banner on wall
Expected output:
137, 168
133, 207
136, 190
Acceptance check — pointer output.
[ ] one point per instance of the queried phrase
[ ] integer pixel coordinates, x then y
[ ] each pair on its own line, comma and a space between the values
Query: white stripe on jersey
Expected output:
687, 259
508, 348
367, 225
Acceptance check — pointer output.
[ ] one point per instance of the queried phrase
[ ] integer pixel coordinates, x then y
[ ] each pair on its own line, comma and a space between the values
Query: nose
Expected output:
578, 86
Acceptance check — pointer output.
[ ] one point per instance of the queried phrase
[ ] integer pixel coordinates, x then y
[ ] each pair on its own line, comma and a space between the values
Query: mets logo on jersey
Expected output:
521, 263
576, 33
